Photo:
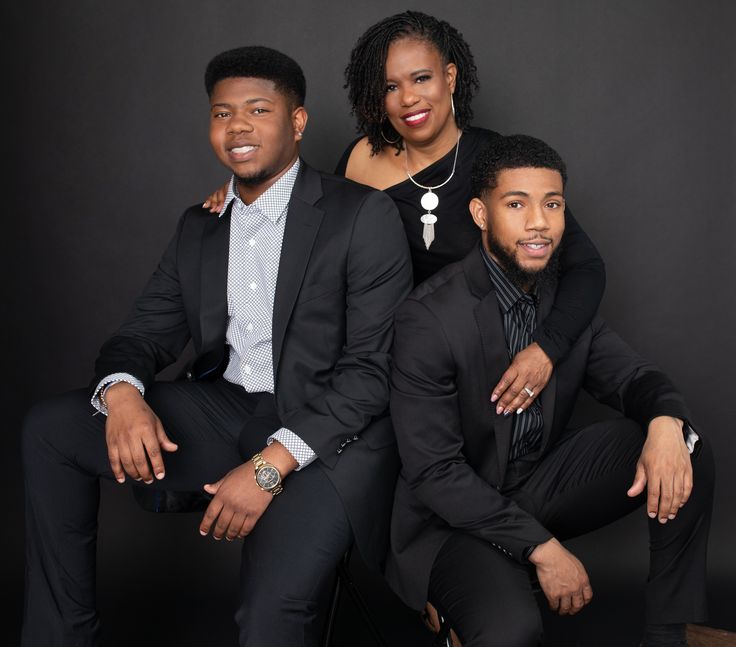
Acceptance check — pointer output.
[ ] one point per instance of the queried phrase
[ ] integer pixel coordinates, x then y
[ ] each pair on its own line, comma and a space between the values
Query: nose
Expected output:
537, 219
407, 96
239, 123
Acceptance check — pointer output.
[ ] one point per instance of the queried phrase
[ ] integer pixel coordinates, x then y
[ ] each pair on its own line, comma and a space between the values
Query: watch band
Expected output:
259, 463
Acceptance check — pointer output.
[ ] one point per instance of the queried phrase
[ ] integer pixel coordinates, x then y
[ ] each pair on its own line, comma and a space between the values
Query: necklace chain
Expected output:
437, 186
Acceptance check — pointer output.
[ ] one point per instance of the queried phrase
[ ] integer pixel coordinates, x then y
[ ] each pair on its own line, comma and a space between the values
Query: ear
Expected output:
479, 213
299, 121
451, 76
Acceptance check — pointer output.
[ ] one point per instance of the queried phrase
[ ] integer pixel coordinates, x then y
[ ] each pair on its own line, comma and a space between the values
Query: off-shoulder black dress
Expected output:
583, 275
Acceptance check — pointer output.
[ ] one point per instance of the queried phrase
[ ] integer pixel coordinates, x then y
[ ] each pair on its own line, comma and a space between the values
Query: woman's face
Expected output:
419, 88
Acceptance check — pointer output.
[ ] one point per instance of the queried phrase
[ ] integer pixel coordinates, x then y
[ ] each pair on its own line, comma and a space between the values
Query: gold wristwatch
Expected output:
268, 477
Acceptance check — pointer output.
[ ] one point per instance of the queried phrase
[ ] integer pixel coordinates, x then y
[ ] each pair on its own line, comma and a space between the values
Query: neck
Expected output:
421, 154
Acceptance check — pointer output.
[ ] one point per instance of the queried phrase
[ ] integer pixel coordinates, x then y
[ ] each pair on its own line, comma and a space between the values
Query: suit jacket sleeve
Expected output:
428, 425
617, 376
155, 331
579, 292
378, 280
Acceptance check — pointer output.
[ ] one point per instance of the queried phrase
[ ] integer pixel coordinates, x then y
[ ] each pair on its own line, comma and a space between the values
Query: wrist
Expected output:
112, 394
280, 458
665, 425
542, 551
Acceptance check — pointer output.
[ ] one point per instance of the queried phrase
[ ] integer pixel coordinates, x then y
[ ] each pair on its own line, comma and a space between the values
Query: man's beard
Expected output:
253, 180
522, 278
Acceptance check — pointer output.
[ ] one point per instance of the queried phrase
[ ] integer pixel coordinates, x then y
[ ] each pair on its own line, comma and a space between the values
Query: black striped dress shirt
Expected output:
519, 311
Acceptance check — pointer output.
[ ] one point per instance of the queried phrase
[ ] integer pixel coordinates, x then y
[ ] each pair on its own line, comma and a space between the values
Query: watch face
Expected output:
268, 477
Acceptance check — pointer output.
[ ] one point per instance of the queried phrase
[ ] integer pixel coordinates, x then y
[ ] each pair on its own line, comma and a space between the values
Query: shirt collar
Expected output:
507, 293
273, 201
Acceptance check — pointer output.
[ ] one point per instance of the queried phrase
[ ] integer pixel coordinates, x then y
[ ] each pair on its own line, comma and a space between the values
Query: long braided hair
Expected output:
365, 74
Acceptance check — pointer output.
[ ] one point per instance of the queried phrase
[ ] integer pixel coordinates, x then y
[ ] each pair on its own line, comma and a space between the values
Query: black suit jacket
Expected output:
449, 352
344, 269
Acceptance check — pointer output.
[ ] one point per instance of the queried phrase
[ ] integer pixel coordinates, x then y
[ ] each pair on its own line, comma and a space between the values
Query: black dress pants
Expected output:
288, 561
576, 488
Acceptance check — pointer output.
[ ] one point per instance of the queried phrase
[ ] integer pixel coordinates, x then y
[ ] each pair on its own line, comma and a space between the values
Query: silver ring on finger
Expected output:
529, 392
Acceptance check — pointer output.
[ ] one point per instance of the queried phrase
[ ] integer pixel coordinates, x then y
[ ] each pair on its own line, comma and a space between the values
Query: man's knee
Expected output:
50, 427
521, 627
274, 617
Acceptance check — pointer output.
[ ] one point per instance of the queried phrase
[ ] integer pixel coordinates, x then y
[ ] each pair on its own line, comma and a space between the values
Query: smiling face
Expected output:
254, 131
419, 88
522, 219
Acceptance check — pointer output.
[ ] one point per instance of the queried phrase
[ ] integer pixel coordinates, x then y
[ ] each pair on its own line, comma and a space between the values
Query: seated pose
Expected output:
484, 499
288, 298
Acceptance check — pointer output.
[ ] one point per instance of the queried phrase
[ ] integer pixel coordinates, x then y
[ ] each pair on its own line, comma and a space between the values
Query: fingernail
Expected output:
494, 397
148, 482
121, 480
499, 410
670, 517
652, 515
203, 533
216, 538
160, 475
205, 204
519, 410
507, 413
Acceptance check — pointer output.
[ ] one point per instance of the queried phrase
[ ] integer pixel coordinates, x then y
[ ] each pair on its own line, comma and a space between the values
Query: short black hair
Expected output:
365, 74
512, 151
260, 63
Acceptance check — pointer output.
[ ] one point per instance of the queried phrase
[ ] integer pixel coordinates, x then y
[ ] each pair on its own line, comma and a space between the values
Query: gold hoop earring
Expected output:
386, 139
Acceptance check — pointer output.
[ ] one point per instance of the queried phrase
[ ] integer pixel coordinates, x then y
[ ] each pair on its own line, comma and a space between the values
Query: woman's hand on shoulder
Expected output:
215, 201
523, 381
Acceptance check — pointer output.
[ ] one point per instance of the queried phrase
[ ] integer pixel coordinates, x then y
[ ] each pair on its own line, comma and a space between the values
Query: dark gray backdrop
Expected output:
107, 126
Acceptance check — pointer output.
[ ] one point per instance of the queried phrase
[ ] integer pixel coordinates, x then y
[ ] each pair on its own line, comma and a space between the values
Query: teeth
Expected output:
421, 115
243, 149
535, 245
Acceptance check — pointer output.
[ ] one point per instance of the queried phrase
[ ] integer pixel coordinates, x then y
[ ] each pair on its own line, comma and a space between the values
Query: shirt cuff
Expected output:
111, 379
302, 453
690, 436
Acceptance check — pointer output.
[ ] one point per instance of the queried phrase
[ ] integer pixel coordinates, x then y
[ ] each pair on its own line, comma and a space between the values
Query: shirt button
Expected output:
252, 242
247, 369
249, 327
253, 286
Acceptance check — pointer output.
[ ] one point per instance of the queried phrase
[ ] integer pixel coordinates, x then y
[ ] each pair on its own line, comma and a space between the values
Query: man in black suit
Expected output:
288, 298
485, 496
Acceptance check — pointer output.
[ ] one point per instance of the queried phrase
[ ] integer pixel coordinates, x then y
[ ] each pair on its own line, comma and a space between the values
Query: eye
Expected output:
220, 115
553, 204
515, 204
391, 87
259, 111
423, 78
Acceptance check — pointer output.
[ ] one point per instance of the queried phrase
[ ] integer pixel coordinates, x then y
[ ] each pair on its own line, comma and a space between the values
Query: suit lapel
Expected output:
302, 224
213, 288
495, 354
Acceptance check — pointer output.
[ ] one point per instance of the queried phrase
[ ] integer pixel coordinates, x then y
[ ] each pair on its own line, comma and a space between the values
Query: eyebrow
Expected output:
415, 72
524, 194
247, 102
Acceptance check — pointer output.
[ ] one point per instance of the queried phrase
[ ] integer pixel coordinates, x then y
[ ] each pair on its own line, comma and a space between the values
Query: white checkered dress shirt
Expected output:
256, 234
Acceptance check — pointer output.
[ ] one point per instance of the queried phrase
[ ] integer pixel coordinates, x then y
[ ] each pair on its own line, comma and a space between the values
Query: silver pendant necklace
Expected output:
429, 200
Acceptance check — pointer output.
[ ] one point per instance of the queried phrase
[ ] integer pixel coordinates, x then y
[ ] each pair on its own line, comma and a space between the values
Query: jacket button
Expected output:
190, 376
